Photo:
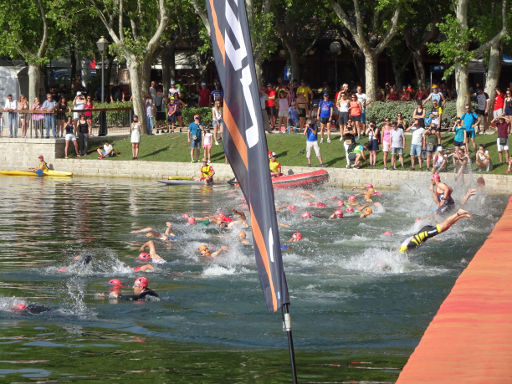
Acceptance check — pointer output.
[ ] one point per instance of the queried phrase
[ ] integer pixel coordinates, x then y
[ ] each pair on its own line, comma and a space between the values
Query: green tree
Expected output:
24, 33
372, 26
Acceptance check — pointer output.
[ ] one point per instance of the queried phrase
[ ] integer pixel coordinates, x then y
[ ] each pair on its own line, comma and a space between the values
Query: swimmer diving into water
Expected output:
429, 231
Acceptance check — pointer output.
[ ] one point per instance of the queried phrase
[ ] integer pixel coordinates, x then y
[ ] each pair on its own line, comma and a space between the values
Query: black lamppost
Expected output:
102, 45
335, 48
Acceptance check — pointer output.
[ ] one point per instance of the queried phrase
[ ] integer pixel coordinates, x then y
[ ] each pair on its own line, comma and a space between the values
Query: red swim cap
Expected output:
311, 204
144, 256
338, 213
191, 220
436, 177
297, 236
62, 270
220, 213
186, 215
19, 307
349, 210
387, 233
352, 198
115, 282
368, 186
292, 208
339, 203
137, 269
141, 282
306, 215
320, 205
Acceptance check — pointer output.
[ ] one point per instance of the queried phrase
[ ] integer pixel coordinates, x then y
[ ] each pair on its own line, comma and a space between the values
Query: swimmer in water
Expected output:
242, 237
152, 255
205, 251
141, 292
430, 231
150, 232
83, 259
297, 236
224, 221
32, 309
442, 195
337, 214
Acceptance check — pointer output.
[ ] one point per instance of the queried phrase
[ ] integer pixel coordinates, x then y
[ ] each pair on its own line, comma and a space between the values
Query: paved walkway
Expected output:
470, 338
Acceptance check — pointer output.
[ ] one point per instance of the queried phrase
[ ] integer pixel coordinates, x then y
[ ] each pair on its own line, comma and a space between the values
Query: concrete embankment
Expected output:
22, 154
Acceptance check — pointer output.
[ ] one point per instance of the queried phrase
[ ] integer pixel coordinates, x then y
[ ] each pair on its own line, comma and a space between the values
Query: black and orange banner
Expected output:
244, 140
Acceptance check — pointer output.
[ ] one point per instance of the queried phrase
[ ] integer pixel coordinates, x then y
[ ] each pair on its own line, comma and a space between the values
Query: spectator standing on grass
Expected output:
83, 134
419, 115
194, 134
385, 139
270, 105
203, 96
397, 144
149, 107
305, 91
283, 105
373, 133
217, 93
349, 139
355, 112
160, 113
174, 90
12, 117
482, 108
436, 115
135, 132
507, 103
217, 122
263, 101
400, 122
499, 100
78, 106
342, 103
417, 144
302, 106
293, 118
459, 140
207, 144
503, 128
311, 133
49, 116
324, 115
435, 95
364, 100
471, 120
430, 145
70, 136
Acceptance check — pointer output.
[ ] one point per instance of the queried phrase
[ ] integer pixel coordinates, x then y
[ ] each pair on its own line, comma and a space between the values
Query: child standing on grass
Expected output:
207, 144
311, 133
171, 114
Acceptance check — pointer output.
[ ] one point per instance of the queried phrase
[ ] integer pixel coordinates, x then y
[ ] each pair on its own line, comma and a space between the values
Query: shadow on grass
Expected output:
156, 152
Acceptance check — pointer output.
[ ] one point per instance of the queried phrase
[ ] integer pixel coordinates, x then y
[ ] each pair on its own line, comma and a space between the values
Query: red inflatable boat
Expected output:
300, 179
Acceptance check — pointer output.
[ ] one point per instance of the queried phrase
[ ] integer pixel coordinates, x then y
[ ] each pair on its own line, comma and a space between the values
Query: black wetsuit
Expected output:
144, 295
35, 309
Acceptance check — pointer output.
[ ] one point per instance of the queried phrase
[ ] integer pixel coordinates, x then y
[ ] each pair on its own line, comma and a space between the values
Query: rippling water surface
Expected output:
358, 307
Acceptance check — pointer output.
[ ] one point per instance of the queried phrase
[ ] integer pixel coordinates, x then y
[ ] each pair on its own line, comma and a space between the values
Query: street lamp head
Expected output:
102, 44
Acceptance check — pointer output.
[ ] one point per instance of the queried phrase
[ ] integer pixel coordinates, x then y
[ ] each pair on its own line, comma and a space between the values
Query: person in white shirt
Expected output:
149, 105
365, 101
417, 143
207, 144
107, 151
397, 144
11, 106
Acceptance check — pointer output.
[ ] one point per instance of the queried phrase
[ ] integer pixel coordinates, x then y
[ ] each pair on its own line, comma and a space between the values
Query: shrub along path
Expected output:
290, 148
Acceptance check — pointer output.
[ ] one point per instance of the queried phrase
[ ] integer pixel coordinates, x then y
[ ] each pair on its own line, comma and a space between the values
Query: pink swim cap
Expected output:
191, 220
144, 256
368, 186
436, 177
115, 282
352, 198
320, 205
186, 215
19, 307
297, 236
311, 204
220, 213
137, 269
417, 219
292, 208
339, 203
306, 215
387, 233
349, 210
62, 270
338, 213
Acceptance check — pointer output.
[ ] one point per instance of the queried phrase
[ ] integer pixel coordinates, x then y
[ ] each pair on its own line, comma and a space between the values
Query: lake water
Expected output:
358, 306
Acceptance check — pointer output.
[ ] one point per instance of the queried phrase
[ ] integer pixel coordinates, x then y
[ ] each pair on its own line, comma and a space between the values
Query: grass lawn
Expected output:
290, 149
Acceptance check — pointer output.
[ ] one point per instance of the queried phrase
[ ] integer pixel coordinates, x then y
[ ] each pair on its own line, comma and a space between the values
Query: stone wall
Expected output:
22, 154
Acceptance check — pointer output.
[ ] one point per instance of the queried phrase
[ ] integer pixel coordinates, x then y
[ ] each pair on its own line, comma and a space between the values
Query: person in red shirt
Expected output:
503, 130
499, 100
204, 96
270, 105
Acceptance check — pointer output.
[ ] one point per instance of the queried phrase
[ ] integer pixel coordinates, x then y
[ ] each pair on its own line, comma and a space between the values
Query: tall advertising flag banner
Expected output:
244, 140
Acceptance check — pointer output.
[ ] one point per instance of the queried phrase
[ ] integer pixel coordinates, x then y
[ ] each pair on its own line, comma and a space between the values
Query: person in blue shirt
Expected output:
293, 118
195, 130
49, 117
471, 120
324, 114
459, 140
311, 133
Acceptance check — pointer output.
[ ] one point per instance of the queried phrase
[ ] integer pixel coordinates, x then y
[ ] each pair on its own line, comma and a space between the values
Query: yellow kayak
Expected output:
180, 178
30, 173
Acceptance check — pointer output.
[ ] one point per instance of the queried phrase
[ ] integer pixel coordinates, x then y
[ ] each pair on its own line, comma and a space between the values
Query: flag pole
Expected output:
287, 327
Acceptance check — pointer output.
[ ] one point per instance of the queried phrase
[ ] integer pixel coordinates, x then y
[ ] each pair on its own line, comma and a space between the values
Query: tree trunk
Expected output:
493, 72
419, 68
370, 74
168, 58
294, 59
72, 59
135, 84
34, 80
398, 71
461, 84
146, 76
259, 72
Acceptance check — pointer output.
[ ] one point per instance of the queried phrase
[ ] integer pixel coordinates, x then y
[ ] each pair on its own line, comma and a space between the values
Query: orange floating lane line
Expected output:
470, 338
